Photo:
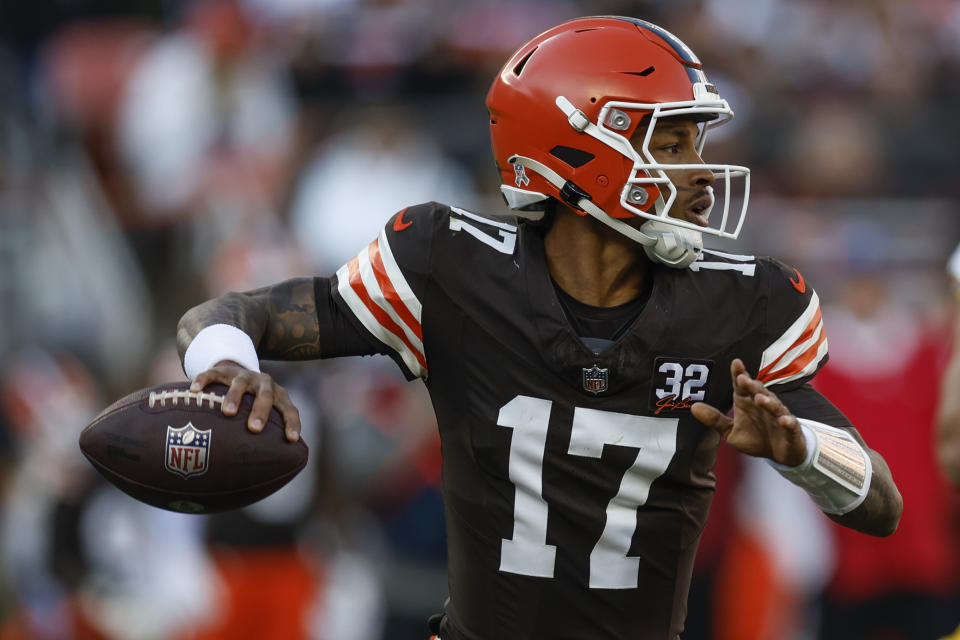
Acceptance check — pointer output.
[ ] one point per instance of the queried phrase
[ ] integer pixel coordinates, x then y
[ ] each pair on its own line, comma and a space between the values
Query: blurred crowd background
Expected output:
155, 153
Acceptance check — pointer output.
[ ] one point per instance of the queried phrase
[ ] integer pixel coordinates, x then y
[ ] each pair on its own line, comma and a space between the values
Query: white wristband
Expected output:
836, 472
219, 342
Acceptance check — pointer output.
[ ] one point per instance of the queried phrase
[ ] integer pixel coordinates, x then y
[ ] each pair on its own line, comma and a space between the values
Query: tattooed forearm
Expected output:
293, 330
280, 319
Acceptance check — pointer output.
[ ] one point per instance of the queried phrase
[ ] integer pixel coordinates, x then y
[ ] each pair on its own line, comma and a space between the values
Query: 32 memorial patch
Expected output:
678, 383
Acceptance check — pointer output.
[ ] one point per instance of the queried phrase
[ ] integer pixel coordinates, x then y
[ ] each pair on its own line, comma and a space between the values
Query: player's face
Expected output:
674, 141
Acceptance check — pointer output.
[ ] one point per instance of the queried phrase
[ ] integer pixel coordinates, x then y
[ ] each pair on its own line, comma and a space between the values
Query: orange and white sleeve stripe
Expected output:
799, 351
374, 288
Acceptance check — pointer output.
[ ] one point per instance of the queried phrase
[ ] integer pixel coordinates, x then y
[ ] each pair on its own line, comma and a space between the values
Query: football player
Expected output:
584, 367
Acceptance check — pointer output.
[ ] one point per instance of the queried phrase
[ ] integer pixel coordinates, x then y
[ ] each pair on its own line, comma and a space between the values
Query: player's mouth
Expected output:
698, 211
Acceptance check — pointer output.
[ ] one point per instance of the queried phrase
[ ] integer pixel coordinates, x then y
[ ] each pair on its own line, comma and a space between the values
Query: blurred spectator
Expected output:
884, 371
8, 454
763, 559
383, 436
205, 121
835, 151
779, 557
365, 174
73, 282
948, 413
86, 65
204, 134
86, 561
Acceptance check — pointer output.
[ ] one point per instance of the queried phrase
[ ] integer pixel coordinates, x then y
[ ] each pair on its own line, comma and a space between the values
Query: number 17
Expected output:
527, 552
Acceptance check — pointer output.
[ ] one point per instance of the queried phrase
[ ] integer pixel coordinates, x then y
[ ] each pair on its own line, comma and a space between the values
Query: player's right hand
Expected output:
761, 425
264, 389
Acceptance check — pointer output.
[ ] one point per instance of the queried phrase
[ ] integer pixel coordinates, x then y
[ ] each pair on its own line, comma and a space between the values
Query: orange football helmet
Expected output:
563, 111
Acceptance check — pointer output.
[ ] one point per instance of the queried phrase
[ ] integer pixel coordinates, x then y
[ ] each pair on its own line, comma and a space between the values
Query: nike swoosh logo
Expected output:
399, 224
799, 284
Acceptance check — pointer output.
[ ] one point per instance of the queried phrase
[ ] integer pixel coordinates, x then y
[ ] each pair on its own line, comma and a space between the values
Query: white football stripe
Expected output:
776, 350
787, 359
806, 371
379, 298
396, 278
373, 325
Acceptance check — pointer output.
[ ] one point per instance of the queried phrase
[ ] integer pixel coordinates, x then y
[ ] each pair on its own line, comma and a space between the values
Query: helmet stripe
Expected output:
691, 62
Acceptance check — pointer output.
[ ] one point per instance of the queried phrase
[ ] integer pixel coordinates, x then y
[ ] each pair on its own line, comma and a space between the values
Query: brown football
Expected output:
174, 449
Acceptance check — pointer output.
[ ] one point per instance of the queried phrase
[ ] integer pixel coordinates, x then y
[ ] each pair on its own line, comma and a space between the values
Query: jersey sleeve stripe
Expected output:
811, 334
383, 326
808, 342
801, 368
788, 340
353, 290
373, 284
395, 289
796, 359
797, 349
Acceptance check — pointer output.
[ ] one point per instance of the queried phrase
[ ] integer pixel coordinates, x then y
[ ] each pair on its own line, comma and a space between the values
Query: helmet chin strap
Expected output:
675, 247
662, 242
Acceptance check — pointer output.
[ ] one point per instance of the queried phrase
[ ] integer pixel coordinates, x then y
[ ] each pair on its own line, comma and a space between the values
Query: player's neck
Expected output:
593, 263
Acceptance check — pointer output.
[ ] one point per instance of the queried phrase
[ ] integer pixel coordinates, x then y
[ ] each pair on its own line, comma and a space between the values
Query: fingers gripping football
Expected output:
266, 392
761, 424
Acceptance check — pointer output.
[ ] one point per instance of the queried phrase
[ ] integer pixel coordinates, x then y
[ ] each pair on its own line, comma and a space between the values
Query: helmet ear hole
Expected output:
574, 157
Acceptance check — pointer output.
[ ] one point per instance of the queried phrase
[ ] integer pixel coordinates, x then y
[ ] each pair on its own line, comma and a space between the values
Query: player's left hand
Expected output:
761, 424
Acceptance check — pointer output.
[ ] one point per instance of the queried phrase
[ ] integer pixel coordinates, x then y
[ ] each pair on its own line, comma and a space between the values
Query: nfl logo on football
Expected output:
188, 450
594, 379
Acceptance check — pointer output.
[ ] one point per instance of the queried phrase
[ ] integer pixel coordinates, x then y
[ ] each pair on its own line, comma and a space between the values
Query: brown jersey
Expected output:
576, 484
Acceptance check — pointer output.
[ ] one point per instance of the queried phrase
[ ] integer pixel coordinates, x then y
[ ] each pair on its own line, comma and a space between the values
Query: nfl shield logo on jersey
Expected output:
594, 379
188, 450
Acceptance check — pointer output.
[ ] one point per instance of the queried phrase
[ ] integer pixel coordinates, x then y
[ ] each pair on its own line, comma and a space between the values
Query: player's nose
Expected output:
701, 176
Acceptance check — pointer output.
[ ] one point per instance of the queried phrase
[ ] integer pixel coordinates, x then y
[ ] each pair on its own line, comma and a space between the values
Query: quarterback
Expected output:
586, 358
